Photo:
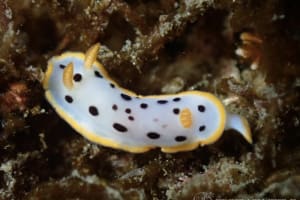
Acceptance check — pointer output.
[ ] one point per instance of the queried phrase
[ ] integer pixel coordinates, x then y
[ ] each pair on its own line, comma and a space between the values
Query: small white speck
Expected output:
278, 17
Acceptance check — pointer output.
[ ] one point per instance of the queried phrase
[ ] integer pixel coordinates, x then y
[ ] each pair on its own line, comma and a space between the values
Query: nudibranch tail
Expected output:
68, 76
91, 55
239, 124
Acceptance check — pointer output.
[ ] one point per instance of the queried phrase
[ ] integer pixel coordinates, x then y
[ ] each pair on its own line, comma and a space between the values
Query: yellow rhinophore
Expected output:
68, 76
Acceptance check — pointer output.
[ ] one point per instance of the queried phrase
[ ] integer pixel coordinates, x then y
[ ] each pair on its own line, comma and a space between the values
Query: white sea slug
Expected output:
82, 93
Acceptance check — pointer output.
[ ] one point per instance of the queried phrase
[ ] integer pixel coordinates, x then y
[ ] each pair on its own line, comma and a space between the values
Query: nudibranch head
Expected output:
82, 93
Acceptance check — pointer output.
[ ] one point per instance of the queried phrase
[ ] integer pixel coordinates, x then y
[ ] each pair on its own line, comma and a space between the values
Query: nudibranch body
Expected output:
82, 93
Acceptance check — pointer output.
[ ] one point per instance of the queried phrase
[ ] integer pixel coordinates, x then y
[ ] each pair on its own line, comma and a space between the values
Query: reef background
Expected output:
153, 47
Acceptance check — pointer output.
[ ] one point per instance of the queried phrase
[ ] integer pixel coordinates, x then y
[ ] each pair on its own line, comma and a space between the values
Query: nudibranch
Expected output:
83, 94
